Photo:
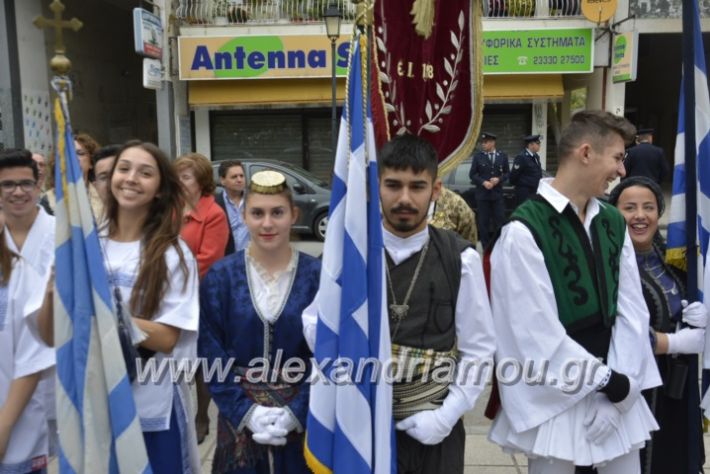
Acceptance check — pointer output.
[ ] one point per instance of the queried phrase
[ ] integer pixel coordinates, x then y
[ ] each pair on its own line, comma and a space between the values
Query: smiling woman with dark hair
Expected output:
677, 334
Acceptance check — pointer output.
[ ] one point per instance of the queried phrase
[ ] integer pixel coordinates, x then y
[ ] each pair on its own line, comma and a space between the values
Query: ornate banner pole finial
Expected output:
59, 63
364, 16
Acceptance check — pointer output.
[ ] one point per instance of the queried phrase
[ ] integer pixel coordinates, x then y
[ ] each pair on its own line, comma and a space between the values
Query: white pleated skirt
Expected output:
564, 436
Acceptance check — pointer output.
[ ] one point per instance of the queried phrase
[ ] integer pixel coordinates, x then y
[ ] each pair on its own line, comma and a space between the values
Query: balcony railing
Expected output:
530, 8
231, 12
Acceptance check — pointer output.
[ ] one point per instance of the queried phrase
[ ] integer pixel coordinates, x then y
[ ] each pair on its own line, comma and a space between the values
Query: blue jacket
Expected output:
526, 171
482, 169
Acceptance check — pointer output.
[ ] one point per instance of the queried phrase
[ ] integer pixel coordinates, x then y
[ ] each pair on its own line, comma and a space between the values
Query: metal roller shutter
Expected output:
510, 124
253, 135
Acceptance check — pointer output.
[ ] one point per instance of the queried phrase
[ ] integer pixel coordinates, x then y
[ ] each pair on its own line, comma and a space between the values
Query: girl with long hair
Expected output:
156, 278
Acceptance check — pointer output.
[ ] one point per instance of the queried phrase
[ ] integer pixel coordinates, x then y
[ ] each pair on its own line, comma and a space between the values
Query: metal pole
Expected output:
691, 180
333, 120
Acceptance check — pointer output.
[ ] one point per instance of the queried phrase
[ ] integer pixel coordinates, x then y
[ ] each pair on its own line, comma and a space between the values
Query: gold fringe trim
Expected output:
676, 257
312, 461
423, 21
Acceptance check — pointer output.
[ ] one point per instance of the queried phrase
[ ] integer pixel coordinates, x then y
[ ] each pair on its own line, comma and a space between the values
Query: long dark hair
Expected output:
161, 230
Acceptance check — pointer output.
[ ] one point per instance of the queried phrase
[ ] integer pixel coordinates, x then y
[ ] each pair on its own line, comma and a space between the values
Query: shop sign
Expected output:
564, 50
260, 57
625, 57
152, 74
147, 33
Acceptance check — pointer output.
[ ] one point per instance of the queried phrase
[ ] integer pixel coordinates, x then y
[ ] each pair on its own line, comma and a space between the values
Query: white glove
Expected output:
286, 421
427, 427
262, 424
625, 405
602, 419
695, 314
686, 341
272, 436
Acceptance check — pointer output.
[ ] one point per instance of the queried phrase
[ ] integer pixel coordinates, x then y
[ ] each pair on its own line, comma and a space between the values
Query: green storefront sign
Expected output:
568, 50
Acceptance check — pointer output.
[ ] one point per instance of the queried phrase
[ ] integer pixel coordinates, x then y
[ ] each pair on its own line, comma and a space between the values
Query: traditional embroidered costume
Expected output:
439, 314
246, 314
563, 292
676, 404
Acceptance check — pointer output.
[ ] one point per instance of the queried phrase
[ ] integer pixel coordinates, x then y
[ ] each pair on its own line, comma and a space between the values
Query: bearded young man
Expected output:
438, 310
565, 292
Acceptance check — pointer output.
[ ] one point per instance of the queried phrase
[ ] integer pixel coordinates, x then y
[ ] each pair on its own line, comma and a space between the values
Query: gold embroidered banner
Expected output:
427, 77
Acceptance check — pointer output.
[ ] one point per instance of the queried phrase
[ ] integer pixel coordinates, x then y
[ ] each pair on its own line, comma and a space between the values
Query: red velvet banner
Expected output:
427, 74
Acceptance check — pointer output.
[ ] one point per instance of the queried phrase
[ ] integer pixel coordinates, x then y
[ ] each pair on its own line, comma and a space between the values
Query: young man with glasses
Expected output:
26, 394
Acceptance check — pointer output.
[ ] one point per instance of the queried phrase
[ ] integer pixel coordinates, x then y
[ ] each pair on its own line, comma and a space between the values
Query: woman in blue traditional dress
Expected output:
677, 335
156, 279
250, 315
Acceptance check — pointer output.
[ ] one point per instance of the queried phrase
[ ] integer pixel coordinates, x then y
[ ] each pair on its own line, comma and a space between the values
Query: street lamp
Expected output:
332, 17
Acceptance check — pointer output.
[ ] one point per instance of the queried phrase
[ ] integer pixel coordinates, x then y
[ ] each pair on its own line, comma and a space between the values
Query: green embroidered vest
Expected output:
585, 277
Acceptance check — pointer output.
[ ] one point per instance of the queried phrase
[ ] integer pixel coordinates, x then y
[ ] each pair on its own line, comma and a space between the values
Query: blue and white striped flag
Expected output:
350, 427
99, 430
677, 220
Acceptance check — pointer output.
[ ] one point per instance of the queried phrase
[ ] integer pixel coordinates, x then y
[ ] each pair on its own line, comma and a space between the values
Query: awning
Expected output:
318, 91
521, 87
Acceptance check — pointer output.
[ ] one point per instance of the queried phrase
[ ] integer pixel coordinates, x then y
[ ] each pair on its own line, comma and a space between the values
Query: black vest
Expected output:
430, 322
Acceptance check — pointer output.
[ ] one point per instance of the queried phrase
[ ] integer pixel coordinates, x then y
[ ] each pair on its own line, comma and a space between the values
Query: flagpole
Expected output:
691, 181
691, 204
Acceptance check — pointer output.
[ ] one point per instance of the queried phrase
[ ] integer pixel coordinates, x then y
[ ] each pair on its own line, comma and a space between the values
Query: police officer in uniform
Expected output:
527, 170
489, 170
646, 159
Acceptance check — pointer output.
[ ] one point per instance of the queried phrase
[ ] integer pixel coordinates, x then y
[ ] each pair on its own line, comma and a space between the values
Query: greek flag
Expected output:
99, 430
677, 220
350, 427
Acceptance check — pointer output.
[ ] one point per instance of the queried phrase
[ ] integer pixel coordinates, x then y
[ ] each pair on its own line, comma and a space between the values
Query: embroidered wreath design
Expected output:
435, 111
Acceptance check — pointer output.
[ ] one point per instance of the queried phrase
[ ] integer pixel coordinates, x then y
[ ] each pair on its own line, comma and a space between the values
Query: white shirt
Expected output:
270, 291
527, 325
22, 354
38, 251
474, 325
180, 309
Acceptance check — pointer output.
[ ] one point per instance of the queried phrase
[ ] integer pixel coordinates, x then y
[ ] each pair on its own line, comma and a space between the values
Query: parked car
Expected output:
310, 193
459, 182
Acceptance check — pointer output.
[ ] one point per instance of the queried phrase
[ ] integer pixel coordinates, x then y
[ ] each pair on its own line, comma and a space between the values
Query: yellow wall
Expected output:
318, 91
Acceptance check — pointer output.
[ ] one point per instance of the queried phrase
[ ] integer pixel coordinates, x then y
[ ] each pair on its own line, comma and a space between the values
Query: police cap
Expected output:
487, 136
533, 138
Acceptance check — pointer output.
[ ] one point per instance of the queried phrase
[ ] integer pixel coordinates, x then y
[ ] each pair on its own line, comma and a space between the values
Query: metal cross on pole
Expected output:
60, 64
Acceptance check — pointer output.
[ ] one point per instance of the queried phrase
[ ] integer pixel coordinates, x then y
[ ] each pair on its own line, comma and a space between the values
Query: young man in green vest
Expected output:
566, 298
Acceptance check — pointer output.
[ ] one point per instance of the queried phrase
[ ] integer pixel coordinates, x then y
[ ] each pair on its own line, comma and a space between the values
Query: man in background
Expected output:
647, 159
489, 170
527, 170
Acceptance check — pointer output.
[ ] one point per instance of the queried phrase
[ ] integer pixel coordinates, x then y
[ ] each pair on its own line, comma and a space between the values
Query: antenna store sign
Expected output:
260, 57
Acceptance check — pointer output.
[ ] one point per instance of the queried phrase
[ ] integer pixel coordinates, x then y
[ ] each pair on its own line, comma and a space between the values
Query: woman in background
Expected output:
206, 232
677, 334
